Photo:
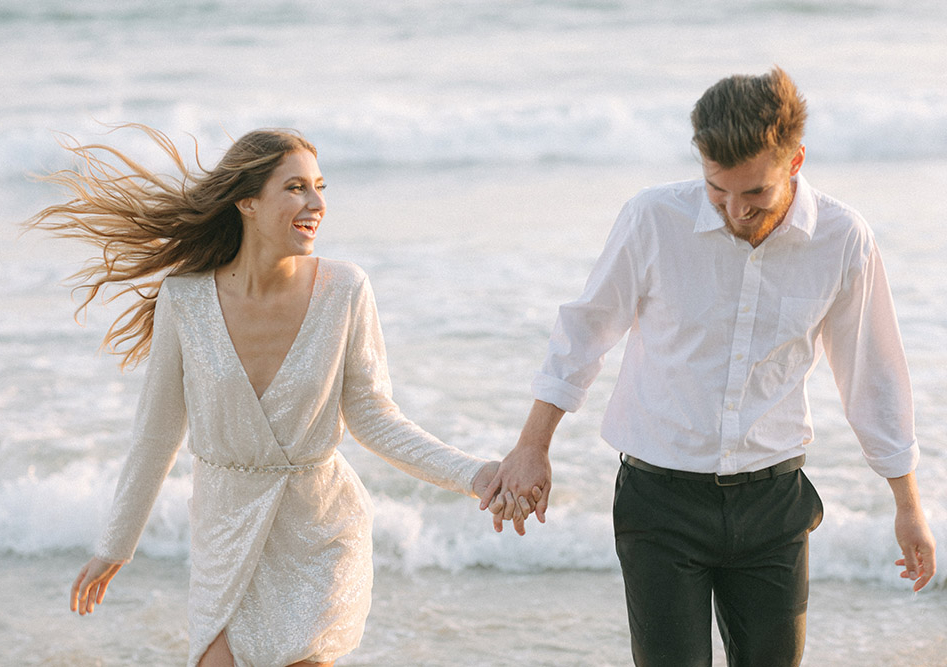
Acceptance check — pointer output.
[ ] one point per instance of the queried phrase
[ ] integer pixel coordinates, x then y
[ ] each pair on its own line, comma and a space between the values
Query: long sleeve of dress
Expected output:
160, 425
376, 421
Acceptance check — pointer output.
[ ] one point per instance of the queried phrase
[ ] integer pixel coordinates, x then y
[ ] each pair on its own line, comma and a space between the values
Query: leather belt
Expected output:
720, 480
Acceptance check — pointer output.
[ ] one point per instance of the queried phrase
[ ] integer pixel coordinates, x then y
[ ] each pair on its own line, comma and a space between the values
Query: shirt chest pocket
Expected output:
799, 320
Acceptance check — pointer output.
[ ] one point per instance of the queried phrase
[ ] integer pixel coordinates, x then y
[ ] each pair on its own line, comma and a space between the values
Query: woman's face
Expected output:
286, 214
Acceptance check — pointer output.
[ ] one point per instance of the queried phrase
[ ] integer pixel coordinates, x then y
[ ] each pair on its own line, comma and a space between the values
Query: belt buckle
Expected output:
738, 478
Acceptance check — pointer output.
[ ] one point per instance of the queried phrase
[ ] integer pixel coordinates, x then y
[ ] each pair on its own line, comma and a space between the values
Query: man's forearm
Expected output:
906, 494
540, 425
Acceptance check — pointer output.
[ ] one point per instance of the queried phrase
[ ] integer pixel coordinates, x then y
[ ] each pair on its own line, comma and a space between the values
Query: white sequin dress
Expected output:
280, 523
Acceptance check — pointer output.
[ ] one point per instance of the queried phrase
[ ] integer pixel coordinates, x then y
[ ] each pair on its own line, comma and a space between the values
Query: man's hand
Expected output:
524, 479
912, 532
520, 487
917, 545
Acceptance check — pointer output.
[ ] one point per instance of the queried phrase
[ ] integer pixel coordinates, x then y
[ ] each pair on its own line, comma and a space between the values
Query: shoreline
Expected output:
431, 617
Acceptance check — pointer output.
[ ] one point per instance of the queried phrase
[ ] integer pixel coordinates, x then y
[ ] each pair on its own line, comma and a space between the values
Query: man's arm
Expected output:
913, 534
524, 479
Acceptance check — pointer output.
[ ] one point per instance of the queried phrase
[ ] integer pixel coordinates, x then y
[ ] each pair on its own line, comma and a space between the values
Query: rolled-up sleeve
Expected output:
864, 349
587, 328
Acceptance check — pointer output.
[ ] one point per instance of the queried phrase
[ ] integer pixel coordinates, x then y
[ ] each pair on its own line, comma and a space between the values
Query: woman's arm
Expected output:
376, 421
160, 424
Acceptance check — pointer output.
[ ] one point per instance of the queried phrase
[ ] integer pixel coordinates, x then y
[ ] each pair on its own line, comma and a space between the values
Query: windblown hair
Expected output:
148, 226
740, 117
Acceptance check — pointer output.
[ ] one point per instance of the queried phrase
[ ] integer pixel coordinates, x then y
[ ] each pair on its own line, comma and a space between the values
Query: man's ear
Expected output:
796, 163
247, 205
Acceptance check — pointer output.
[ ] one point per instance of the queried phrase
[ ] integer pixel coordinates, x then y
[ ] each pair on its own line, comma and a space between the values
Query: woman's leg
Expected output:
217, 654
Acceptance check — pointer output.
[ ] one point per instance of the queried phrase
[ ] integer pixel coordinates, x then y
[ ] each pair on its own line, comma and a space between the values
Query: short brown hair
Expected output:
741, 116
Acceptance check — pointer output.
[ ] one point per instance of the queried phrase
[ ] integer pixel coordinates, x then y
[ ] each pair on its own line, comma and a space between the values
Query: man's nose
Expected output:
736, 207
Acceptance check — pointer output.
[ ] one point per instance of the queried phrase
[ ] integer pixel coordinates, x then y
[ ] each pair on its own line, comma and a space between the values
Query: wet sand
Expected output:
442, 619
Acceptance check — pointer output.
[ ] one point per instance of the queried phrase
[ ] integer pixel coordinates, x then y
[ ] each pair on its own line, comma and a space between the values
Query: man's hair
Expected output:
741, 116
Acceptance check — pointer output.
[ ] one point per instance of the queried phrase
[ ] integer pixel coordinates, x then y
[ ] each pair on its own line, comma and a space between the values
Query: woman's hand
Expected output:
483, 478
89, 587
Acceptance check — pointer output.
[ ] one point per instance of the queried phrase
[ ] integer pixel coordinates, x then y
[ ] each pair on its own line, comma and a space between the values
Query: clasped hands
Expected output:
515, 488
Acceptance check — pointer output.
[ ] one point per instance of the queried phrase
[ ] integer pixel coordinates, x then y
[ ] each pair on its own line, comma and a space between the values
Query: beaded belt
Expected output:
288, 469
720, 480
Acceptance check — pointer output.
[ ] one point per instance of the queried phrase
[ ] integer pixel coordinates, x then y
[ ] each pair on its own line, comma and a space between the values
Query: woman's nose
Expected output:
317, 200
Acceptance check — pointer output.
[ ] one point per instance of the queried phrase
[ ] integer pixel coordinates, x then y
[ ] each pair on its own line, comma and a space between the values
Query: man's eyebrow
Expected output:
753, 191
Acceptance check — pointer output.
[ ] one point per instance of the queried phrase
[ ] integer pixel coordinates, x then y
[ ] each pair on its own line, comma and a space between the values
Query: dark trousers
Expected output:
683, 543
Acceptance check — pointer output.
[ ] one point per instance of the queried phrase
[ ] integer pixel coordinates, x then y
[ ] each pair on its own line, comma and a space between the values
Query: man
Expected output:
731, 288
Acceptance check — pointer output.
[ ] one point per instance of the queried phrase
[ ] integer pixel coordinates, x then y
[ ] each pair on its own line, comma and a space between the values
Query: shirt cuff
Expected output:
558, 392
896, 465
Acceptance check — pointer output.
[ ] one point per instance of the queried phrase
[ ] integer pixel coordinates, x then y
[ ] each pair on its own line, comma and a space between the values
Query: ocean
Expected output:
476, 154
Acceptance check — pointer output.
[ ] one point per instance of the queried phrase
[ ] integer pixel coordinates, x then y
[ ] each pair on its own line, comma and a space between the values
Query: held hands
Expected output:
501, 506
89, 587
519, 487
522, 483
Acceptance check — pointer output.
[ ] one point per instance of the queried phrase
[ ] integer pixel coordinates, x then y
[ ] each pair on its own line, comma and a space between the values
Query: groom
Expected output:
729, 287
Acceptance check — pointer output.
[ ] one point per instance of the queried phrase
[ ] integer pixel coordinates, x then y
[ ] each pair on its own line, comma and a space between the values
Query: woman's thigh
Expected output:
218, 655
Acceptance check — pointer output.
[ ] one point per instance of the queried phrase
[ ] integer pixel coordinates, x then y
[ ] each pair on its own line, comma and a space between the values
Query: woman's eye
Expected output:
321, 187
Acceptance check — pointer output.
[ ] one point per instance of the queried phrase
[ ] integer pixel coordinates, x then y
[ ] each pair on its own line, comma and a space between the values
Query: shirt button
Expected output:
726, 455
745, 309
730, 406
739, 357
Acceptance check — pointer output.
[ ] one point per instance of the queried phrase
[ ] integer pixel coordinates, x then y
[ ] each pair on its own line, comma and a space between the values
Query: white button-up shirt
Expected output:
723, 336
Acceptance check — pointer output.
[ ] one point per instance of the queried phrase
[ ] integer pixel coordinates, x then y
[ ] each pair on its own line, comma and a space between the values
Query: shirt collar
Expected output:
802, 213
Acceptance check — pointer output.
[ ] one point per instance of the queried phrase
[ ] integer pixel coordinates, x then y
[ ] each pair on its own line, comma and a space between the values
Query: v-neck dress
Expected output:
280, 523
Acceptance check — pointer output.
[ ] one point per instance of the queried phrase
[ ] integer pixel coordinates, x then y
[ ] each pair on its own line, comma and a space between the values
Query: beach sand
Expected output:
442, 619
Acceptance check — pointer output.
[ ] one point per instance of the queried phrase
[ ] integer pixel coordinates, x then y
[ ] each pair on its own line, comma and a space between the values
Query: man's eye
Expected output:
321, 186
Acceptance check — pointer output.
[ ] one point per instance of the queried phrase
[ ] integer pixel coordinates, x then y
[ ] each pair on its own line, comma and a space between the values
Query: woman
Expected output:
263, 355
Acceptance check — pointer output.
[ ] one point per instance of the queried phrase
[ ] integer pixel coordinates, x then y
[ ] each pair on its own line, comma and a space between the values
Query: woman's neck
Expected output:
256, 277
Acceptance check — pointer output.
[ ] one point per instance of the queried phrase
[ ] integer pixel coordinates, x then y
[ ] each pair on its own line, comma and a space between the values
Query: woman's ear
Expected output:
247, 205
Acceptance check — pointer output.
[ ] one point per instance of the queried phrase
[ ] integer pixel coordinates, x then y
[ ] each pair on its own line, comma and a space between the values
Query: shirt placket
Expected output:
739, 360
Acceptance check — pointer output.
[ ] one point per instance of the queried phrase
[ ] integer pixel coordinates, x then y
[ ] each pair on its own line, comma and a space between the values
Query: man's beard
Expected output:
769, 220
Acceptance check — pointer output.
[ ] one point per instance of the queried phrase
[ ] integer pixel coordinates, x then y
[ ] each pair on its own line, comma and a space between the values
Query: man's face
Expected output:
754, 196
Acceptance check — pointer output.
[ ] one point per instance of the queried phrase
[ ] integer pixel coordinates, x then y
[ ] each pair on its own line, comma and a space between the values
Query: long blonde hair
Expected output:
148, 226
